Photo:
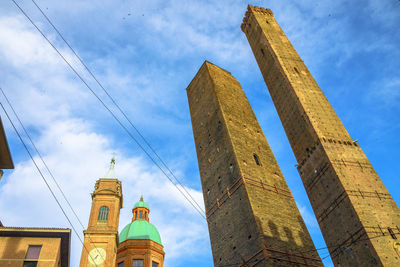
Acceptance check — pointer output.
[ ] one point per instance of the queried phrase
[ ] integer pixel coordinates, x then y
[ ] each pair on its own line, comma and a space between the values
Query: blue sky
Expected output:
146, 53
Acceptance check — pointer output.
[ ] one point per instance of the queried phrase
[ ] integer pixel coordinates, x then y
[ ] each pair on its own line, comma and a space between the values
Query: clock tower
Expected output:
101, 236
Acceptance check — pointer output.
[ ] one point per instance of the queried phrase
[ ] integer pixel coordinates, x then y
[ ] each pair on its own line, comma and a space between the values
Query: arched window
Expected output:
103, 214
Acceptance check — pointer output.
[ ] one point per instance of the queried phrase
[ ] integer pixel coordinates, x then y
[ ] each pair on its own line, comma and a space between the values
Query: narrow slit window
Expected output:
256, 159
103, 214
262, 52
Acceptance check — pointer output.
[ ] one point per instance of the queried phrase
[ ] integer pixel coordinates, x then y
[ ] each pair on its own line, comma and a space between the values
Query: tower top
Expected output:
111, 172
207, 67
254, 9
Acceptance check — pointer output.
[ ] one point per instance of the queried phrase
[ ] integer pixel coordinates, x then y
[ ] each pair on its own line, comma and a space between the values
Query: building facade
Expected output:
358, 218
101, 236
34, 247
252, 216
139, 241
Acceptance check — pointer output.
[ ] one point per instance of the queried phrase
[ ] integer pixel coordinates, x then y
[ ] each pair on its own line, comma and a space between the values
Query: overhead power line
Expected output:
45, 181
116, 104
196, 206
47, 168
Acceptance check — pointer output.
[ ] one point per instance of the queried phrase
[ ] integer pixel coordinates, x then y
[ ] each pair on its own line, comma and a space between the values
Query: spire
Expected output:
111, 172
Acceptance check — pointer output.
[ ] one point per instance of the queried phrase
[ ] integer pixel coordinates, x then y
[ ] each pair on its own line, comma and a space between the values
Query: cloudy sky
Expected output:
145, 53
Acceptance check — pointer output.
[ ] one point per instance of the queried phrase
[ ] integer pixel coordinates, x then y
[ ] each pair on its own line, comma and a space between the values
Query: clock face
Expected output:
97, 256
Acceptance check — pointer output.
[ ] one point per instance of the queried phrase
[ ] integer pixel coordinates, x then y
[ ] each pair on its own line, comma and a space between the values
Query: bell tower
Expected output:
101, 236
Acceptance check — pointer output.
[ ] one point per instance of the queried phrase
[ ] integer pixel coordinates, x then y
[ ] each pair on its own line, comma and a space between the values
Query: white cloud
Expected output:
146, 60
78, 157
50, 102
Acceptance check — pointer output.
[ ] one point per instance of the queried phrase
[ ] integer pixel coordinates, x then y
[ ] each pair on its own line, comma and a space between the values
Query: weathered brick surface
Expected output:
252, 217
358, 217
99, 234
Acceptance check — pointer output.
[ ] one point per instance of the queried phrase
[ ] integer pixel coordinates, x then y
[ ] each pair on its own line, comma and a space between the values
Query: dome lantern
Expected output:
140, 211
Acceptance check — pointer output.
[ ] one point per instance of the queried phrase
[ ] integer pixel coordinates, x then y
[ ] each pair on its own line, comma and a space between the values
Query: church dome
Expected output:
140, 227
140, 230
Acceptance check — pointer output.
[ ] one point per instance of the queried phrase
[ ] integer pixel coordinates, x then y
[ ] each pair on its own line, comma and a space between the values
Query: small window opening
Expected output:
135, 215
256, 159
262, 52
249, 237
32, 256
140, 214
392, 233
296, 70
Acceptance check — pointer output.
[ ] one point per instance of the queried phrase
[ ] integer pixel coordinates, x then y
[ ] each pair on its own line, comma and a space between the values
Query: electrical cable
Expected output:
127, 118
40, 156
335, 247
45, 181
47, 168
115, 103
109, 110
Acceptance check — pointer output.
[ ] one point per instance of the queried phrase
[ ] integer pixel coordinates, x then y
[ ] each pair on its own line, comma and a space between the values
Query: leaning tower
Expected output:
252, 217
357, 216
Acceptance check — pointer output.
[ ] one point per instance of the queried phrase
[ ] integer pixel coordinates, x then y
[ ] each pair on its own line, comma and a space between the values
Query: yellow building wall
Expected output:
14, 249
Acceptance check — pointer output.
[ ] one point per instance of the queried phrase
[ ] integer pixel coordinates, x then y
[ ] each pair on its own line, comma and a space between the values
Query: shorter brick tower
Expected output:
139, 242
101, 236
252, 217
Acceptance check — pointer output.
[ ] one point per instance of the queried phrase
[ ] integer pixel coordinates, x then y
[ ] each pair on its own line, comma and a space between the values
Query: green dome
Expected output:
141, 203
140, 230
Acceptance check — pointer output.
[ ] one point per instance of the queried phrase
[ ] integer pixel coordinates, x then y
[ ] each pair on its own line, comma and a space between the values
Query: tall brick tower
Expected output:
358, 217
101, 236
252, 216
